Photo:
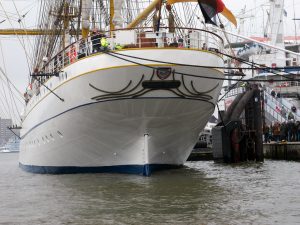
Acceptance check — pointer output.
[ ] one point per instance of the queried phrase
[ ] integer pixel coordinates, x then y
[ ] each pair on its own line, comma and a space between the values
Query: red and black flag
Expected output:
210, 11
210, 8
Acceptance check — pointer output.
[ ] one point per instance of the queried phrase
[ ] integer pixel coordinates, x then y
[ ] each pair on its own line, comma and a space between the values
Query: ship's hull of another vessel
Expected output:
118, 116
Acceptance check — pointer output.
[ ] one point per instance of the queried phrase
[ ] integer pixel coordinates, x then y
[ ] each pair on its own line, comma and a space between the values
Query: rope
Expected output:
20, 21
208, 67
22, 44
117, 55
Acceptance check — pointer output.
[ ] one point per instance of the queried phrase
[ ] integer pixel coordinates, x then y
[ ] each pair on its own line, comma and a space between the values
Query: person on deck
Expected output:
104, 43
291, 116
96, 37
278, 95
294, 131
119, 47
283, 112
276, 131
180, 43
273, 93
283, 131
298, 130
266, 133
82, 49
290, 130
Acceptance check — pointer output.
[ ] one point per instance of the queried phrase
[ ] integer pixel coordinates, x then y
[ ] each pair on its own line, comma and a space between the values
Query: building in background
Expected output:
5, 134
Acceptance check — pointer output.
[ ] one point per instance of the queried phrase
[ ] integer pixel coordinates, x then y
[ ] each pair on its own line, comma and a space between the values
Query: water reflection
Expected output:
175, 196
200, 193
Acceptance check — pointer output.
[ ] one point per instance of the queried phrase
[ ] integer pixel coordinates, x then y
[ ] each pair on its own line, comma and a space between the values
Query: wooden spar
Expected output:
112, 14
31, 32
144, 14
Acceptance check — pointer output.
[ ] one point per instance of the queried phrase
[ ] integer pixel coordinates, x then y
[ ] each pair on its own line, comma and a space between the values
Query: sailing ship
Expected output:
120, 86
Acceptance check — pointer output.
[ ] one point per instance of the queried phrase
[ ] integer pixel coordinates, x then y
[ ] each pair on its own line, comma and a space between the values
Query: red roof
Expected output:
287, 38
292, 38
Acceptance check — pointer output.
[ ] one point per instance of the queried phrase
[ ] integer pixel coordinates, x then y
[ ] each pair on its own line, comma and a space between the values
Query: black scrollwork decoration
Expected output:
174, 85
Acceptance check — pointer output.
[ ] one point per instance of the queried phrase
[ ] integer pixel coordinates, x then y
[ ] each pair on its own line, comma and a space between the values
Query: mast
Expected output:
277, 39
79, 17
86, 11
276, 19
144, 14
66, 22
116, 14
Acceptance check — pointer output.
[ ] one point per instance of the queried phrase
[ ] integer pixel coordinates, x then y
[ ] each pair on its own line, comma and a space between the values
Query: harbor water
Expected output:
201, 193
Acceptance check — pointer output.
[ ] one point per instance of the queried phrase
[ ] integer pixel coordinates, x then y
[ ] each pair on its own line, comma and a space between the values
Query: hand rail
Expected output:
65, 57
283, 102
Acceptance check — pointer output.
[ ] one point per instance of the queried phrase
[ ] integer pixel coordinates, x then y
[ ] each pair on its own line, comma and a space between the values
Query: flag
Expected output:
210, 8
208, 13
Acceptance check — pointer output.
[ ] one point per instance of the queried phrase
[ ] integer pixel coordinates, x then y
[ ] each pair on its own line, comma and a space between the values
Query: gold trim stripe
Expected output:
149, 48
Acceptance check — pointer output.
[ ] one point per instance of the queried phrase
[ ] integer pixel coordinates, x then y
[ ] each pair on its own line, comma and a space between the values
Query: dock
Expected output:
201, 154
276, 151
282, 151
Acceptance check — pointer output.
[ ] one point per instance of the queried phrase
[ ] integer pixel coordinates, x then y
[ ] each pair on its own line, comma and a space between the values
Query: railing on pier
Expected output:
278, 108
281, 104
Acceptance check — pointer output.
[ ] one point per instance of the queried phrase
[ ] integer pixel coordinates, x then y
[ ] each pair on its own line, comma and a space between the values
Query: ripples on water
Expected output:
201, 193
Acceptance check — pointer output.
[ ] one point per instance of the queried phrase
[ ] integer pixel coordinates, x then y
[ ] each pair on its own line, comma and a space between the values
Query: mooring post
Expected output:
258, 118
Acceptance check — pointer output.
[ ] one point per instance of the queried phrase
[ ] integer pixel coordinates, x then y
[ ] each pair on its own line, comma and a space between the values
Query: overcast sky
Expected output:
14, 55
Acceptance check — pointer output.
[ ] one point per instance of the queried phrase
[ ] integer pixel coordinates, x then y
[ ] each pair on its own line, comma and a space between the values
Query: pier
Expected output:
275, 151
282, 151
238, 140
201, 154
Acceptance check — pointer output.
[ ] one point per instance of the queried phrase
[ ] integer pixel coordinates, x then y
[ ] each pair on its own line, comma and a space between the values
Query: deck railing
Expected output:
186, 38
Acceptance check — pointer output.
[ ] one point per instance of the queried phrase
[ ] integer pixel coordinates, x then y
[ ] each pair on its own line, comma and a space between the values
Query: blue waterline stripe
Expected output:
91, 103
144, 170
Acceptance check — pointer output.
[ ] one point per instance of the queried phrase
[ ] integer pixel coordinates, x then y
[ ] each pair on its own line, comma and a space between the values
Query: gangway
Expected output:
276, 109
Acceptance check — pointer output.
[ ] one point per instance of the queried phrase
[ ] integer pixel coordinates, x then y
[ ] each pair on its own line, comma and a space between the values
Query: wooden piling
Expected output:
258, 125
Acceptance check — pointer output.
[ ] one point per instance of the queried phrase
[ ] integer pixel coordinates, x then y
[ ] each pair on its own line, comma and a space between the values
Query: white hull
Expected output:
135, 129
